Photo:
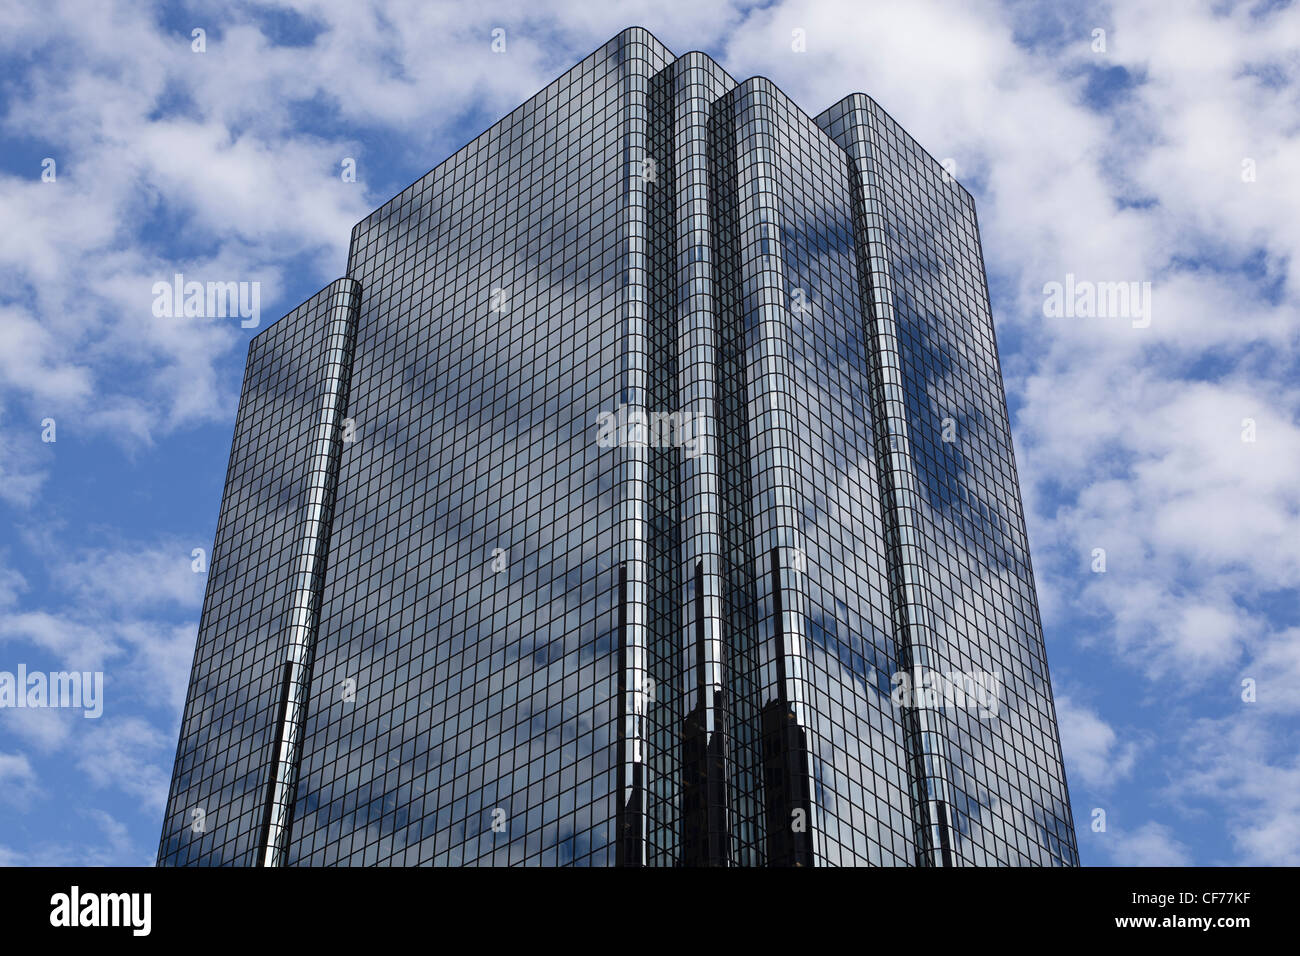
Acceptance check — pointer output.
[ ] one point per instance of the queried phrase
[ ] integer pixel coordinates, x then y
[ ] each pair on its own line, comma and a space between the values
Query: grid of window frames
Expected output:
535, 649
216, 804
858, 765
1009, 791
465, 707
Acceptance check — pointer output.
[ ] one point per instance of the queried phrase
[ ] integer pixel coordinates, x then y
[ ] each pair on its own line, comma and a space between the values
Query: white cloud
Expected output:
23, 458
73, 644
114, 848
46, 729
1275, 671
128, 754
17, 779
12, 584
1247, 769
135, 578
1151, 844
1096, 755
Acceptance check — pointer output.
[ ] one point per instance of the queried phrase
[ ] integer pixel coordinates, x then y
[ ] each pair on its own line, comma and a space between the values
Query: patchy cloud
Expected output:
1167, 157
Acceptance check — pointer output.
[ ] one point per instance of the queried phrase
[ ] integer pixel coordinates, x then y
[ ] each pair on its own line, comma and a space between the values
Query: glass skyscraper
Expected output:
644, 496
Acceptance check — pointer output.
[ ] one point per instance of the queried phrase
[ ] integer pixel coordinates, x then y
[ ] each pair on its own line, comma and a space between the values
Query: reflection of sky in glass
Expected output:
219, 783
480, 690
475, 699
1008, 786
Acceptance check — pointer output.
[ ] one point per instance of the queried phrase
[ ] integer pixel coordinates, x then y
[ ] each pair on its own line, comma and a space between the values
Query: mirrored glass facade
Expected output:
643, 496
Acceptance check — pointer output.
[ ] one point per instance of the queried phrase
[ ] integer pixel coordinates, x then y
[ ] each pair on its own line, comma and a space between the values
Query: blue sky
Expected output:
1165, 150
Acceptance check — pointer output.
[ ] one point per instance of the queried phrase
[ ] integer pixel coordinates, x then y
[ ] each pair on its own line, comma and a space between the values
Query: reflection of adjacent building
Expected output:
529, 644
